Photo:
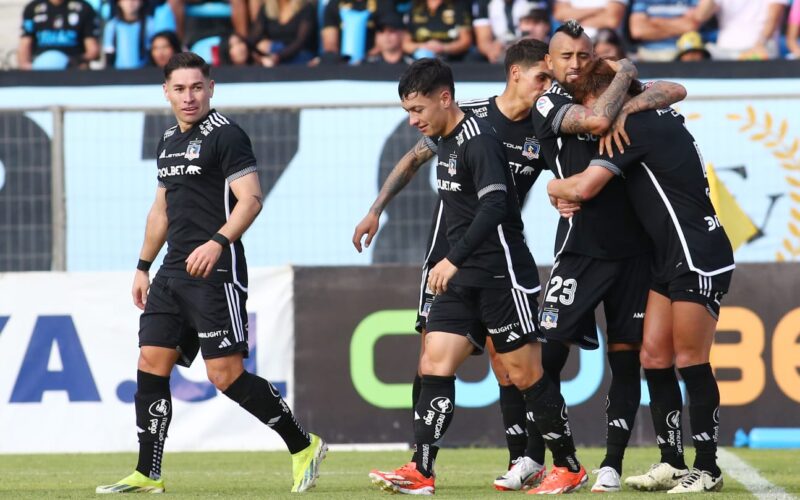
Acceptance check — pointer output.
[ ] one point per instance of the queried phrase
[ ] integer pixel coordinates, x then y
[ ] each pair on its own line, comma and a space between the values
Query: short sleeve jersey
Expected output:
605, 227
471, 164
666, 181
196, 167
522, 152
442, 25
59, 27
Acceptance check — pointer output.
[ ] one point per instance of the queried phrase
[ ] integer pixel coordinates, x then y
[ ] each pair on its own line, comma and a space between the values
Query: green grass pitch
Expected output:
462, 473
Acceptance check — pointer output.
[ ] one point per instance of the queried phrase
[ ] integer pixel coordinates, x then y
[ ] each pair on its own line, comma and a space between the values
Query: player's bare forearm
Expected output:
401, 175
598, 118
580, 187
565, 189
155, 232
247, 190
659, 95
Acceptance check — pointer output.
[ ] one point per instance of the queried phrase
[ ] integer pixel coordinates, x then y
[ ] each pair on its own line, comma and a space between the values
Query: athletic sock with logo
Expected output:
665, 408
703, 415
512, 408
153, 403
621, 406
432, 416
550, 419
554, 357
262, 399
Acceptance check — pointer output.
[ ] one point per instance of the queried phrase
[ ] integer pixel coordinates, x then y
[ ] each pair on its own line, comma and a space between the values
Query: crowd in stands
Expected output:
126, 34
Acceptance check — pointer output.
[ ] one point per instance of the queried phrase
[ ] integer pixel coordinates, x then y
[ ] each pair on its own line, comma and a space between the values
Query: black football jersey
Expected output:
605, 227
522, 153
666, 181
471, 164
196, 167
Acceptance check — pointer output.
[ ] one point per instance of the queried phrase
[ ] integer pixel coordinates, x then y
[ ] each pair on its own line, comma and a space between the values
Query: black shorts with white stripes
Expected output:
692, 287
507, 315
191, 315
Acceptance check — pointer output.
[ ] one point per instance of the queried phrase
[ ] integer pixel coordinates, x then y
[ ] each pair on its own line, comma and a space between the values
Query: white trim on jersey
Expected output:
526, 317
510, 266
435, 231
221, 118
232, 296
214, 121
560, 143
679, 229
523, 323
422, 286
233, 249
427, 256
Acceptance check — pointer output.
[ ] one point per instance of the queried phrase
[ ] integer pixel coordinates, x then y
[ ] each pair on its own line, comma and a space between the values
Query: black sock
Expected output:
665, 406
415, 388
512, 407
432, 417
263, 400
622, 404
554, 357
550, 418
153, 403
703, 415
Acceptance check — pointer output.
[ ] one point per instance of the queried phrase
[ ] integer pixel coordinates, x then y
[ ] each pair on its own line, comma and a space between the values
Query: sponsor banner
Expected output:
356, 355
68, 352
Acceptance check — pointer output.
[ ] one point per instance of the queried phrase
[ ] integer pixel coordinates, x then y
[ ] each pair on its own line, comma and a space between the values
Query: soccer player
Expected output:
527, 77
665, 179
601, 252
208, 195
488, 276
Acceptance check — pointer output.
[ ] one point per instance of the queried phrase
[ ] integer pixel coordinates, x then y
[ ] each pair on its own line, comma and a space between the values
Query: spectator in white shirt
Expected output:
592, 14
748, 29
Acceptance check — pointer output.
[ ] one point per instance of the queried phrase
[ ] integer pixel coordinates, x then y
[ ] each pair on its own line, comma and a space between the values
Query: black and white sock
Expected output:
550, 418
703, 415
665, 406
153, 403
554, 357
512, 408
262, 399
432, 416
622, 404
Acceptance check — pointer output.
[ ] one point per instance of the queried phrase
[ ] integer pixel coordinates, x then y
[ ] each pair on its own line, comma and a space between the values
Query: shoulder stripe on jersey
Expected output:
214, 121
221, 118
492, 188
511, 273
473, 103
475, 125
679, 229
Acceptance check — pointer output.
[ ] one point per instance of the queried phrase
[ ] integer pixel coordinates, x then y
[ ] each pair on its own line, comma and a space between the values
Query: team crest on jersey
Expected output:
530, 149
549, 318
193, 150
451, 165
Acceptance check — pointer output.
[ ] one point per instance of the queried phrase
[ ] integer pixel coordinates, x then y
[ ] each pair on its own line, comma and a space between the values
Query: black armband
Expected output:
144, 265
221, 239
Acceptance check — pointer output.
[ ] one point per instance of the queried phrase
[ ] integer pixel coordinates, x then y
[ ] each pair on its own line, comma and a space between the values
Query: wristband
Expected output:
144, 265
221, 239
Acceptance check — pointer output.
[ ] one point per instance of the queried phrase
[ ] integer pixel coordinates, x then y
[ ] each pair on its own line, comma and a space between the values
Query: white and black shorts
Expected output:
191, 315
692, 287
506, 315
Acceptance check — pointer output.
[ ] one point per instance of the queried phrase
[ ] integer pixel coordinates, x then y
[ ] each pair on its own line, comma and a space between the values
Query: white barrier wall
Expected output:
68, 351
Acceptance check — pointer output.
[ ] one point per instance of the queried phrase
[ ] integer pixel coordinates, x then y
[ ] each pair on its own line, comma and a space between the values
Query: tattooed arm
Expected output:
598, 118
399, 177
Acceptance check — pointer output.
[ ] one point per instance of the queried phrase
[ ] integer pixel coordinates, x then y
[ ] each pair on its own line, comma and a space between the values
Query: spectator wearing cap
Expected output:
748, 29
285, 32
163, 45
657, 24
793, 30
497, 24
608, 45
57, 33
126, 36
389, 42
438, 28
592, 14
690, 48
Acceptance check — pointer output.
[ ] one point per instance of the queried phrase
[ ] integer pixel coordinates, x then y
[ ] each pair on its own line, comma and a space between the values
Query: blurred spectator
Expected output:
608, 45
690, 47
657, 24
438, 28
67, 30
126, 36
389, 42
592, 14
536, 25
332, 23
497, 24
748, 29
203, 19
163, 45
793, 30
285, 32
235, 50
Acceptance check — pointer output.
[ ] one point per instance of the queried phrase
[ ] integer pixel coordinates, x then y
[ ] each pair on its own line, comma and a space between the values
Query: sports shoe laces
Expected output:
693, 477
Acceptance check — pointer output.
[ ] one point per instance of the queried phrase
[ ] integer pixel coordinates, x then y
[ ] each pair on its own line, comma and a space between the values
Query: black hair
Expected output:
171, 37
184, 60
571, 28
525, 52
225, 50
425, 76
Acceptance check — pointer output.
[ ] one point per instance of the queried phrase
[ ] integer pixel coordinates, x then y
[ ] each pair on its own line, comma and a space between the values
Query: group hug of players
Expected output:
637, 233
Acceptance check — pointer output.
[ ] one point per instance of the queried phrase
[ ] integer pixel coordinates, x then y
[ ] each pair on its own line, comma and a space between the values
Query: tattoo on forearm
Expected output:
658, 96
574, 119
401, 175
610, 102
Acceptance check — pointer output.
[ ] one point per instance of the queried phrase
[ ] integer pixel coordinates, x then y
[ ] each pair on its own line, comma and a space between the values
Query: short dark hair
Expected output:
525, 52
172, 39
425, 76
537, 16
595, 78
186, 60
571, 28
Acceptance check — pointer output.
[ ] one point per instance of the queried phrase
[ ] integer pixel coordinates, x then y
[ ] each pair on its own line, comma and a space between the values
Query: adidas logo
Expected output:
619, 423
529, 416
226, 342
515, 430
512, 337
660, 440
701, 437
550, 436
163, 153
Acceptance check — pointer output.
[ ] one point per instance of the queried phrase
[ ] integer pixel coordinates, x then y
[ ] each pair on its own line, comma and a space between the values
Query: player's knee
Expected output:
651, 359
222, 378
690, 358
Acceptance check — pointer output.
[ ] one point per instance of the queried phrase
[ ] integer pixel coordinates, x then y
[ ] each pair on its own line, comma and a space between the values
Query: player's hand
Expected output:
141, 285
616, 135
201, 261
440, 276
368, 226
567, 208
624, 66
